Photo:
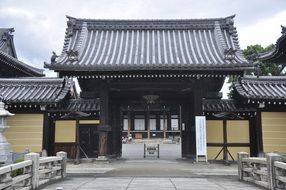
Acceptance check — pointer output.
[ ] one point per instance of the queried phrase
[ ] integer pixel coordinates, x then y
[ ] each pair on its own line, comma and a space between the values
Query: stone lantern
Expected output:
4, 145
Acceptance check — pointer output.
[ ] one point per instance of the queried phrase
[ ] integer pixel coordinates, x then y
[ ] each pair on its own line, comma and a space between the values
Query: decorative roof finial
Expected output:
72, 55
54, 57
283, 30
229, 54
71, 23
230, 22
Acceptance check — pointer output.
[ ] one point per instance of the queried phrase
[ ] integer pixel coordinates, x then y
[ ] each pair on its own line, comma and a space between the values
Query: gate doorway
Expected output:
88, 136
156, 125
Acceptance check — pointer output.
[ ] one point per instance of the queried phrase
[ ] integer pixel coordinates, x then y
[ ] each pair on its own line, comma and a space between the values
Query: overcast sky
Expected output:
40, 24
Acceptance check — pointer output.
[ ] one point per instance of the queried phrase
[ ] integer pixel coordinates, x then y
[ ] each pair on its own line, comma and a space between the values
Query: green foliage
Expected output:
252, 53
231, 80
17, 172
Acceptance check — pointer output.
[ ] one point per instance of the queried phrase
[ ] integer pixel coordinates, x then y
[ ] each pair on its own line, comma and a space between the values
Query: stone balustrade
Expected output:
268, 172
33, 172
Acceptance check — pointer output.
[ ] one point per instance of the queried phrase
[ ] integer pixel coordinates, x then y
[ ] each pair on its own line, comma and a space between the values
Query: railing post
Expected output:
35, 168
64, 163
240, 156
271, 158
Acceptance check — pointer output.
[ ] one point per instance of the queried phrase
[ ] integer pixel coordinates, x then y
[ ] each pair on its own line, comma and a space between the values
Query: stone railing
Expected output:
33, 172
269, 172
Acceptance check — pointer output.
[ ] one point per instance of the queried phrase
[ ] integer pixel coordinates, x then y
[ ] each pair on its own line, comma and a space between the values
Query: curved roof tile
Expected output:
120, 45
34, 90
263, 88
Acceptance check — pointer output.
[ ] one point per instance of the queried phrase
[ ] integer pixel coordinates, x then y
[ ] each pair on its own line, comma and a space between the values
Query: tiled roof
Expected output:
9, 58
124, 45
278, 54
225, 105
83, 105
34, 90
268, 88
15, 64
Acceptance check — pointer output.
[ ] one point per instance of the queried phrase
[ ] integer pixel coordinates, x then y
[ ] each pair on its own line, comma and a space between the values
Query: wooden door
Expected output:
88, 140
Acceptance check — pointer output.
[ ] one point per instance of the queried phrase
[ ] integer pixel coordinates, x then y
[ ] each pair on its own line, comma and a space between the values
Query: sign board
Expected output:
201, 141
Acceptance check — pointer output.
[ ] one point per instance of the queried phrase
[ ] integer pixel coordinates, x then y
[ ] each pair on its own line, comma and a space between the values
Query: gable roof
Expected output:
125, 45
34, 90
264, 88
10, 65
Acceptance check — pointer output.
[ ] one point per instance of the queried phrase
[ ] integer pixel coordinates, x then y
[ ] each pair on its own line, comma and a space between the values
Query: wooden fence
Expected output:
33, 172
269, 172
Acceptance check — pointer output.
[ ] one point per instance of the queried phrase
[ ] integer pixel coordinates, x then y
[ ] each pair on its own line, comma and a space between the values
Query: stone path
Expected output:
166, 173
139, 183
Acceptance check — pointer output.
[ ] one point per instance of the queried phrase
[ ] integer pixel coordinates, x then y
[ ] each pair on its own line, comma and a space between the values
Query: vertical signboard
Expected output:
201, 142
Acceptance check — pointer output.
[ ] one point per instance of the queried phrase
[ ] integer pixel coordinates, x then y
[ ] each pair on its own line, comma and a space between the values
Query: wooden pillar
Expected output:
169, 128
164, 122
77, 142
104, 122
132, 120
259, 137
185, 131
158, 122
196, 111
253, 137
46, 144
116, 131
148, 121
225, 153
129, 120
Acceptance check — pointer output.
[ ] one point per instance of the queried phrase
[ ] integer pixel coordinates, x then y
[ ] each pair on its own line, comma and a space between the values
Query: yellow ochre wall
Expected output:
274, 131
65, 131
214, 135
25, 132
237, 132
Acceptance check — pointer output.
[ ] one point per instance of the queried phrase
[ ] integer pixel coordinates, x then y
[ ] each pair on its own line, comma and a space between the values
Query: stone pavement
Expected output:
151, 174
167, 172
141, 183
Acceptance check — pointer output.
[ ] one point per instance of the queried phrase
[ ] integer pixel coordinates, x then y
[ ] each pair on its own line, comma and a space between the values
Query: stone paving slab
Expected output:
140, 183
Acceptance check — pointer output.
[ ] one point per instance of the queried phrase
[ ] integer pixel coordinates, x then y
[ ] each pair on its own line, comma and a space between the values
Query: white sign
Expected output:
201, 141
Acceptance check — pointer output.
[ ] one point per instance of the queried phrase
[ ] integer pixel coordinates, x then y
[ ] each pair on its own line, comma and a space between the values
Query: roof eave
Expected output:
31, 71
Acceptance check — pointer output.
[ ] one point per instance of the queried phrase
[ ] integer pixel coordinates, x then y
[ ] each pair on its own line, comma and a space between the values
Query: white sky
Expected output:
40, 24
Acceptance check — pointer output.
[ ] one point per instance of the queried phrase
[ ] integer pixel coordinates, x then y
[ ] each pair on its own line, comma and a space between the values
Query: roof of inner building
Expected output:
225, 105
126, 45
270, 88
73, 105
34, 90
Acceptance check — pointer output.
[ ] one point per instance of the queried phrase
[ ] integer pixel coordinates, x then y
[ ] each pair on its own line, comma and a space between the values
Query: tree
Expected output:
252, 53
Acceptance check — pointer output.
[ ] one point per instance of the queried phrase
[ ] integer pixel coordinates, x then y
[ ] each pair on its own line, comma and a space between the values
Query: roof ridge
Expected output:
263, 78
43, 80
155, 20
